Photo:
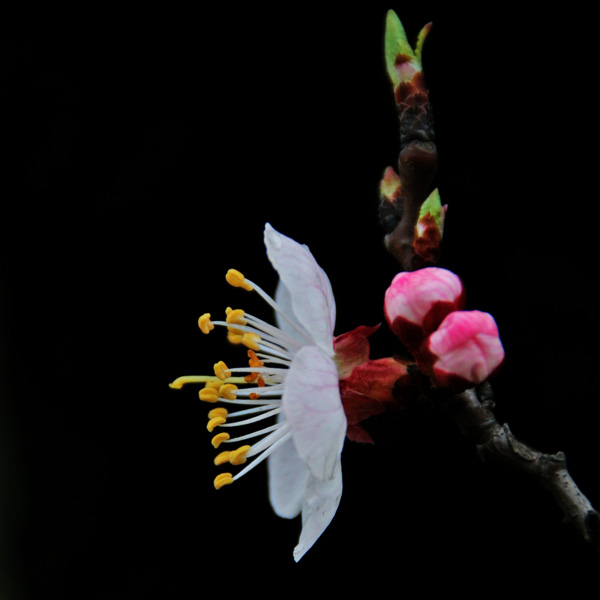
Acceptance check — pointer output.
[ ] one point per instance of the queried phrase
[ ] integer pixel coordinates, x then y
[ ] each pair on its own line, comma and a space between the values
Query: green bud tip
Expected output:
432, 208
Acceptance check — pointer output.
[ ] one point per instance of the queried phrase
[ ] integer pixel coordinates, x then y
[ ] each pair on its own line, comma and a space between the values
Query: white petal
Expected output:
284, 299
321, 503
313, 407
309, 287
288, 476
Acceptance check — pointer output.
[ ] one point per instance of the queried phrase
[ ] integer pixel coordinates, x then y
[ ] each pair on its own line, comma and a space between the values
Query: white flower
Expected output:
292, 377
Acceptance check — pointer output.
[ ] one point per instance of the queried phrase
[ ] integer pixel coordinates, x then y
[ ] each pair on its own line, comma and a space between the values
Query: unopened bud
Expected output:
430, 229
417, 302
465, 350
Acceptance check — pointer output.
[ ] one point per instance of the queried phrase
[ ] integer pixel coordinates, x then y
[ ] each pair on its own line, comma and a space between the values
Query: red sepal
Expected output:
366, 386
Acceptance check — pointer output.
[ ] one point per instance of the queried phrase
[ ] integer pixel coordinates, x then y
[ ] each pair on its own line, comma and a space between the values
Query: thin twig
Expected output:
472, 410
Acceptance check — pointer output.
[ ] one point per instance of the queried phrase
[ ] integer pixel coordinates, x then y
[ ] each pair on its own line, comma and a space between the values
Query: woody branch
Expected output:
412, 218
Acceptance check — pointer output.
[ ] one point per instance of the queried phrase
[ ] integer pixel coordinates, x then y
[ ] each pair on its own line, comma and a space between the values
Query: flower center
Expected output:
257, 394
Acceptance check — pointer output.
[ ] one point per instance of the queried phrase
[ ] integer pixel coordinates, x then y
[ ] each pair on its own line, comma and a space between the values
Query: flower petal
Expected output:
284, 300
312, 405
320, 505
309, 287
288, 476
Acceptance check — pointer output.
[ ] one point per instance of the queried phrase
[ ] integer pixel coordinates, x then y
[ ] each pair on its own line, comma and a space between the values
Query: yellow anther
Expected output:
238, 457
234, 338
218, 412
221, 370
223, 479
215, 384
236, 279
236, 317
205, 323
227, 391
222, 458
254, 361
250, 340
215, 423
219, 439
209, 394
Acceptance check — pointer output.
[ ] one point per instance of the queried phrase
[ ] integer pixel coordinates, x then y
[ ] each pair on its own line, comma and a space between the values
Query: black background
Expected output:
143, 154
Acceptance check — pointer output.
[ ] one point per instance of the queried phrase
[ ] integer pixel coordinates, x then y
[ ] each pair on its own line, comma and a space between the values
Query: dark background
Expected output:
143, 155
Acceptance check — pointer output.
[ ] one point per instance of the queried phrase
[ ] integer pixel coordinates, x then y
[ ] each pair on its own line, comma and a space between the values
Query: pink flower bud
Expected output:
417, 302
465, 349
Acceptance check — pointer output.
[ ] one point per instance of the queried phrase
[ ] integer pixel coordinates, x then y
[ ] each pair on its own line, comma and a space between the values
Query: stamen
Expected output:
236, 279
276, 307
222, 458
221, 370
223, 479
235, 317
273, 439
271, 390
218, 412
235, 457
258, 338
227, 391
238, 457
284, 438
250, 340
234, 338
274, 360
208, 394
251, 411
255, 402
219, 439
256, 433
268, 371
205, 323
266, 415
283, 338
216, 421
254, 361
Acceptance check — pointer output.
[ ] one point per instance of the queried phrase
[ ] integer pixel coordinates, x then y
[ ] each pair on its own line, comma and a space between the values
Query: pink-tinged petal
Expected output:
312, 405
352, 349
466, 349
320, 505
308, 285
288, 477
417, 301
